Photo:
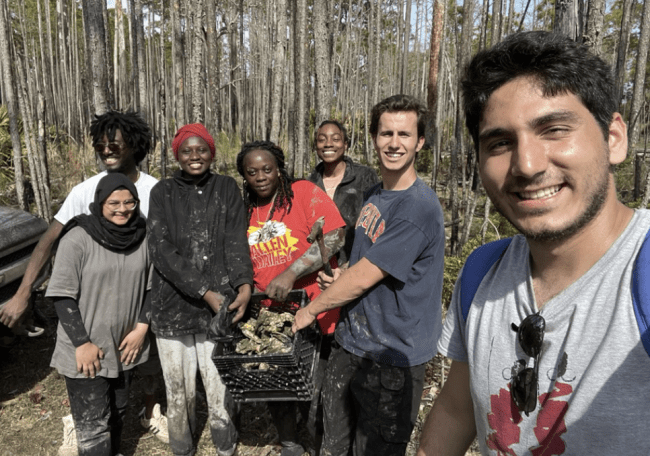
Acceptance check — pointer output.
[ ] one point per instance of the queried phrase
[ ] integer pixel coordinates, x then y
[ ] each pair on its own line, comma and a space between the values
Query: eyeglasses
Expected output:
524, 386
115, 206
113, 147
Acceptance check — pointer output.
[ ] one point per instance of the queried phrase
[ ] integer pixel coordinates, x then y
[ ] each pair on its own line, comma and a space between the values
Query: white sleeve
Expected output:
78, 200
452, 343
74, 204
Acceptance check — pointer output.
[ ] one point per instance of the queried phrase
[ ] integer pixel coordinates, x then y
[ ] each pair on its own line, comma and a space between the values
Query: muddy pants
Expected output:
98, 406
180, 358
150, 371
370, 408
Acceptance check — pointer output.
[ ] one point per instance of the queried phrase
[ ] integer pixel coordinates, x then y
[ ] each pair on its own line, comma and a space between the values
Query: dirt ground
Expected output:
33, 400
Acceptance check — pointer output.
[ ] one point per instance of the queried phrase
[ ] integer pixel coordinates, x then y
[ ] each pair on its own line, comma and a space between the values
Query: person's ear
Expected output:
617, 140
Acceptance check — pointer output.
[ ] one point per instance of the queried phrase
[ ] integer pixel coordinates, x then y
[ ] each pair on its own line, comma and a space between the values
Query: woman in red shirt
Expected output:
281, 213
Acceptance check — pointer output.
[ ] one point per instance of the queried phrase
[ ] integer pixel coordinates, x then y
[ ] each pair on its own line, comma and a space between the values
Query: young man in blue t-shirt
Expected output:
391, 292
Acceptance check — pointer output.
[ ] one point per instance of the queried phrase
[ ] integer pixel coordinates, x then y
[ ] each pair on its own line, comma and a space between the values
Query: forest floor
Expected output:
33, 399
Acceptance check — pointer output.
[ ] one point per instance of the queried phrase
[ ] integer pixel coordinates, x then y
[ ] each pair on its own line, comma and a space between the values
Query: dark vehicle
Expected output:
19, 234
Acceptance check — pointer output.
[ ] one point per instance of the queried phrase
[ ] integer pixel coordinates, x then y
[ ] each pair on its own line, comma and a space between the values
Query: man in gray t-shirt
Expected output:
549, 359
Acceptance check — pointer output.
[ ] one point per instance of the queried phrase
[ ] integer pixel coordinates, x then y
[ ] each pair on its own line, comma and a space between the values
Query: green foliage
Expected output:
424, 162
6, 157
228, 146
454, 264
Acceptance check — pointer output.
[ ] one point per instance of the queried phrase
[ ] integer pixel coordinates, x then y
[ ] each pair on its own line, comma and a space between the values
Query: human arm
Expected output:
324, 280
309, 262
237, 251
13, 311
131, 345
88, 358
349, 286
240, 303
87, 354
450, 427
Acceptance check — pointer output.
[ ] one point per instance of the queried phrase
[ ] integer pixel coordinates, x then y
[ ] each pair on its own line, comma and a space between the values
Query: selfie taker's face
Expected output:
544, 160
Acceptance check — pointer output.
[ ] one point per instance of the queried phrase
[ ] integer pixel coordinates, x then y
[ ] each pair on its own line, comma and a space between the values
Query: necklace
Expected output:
257, 210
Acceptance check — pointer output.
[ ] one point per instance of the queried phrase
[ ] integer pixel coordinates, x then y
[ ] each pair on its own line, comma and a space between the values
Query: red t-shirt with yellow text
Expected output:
277, 242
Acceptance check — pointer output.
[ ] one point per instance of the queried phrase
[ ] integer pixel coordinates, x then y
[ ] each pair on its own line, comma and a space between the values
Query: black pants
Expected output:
370, 408
98, 406
284, 413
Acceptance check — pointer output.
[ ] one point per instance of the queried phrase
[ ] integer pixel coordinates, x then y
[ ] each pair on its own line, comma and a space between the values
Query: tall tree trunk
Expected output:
568, 20
322, 63
235, 71
496, 22
437, 30
621, 51
300, 15
141, 87
196, 59
212, 67
457, 145
9, 98
278, 68
593, 37
405, 51
638, 98
96, 43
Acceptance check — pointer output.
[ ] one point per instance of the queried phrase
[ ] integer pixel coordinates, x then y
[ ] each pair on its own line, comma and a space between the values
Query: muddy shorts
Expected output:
369, 407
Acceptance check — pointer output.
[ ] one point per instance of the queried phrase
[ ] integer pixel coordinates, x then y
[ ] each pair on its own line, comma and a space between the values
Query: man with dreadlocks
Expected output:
281, 213
121, 141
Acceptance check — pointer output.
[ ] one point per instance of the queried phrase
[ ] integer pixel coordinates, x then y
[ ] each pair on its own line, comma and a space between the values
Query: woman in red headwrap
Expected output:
197, 242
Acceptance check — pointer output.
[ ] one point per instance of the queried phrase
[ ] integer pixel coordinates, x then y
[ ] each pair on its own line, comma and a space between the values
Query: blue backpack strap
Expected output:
477, 265
641, 292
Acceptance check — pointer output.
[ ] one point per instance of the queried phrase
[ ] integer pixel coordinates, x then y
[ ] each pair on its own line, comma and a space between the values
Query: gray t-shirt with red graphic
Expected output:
594, 373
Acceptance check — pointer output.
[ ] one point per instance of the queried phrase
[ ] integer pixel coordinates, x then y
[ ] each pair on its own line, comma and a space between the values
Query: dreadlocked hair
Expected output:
135, 131
284, 195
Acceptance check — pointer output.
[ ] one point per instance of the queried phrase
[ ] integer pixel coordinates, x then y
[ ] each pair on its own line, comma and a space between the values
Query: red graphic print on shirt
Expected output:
504, 418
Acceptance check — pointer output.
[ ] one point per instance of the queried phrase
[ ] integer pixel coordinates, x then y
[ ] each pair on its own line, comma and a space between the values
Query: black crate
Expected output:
291, 375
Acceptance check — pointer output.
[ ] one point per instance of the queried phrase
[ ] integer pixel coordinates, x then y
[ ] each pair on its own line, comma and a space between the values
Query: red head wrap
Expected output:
188, 131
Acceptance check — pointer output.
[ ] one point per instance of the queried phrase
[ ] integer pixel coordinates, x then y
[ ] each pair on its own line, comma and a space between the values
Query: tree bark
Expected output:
593, 37
321, 62
178, 52
299, 46
621, 51
278, 68
96, 44
567, 18
638, 97
196, 60
9, 98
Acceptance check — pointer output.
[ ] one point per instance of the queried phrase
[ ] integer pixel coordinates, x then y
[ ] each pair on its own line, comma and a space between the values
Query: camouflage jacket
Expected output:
197, 242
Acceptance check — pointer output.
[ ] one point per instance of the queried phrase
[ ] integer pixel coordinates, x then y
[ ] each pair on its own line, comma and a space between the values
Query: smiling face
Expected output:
262, 174
120, 199
195, 157
397, 143
116, 155
330, 144
544, 161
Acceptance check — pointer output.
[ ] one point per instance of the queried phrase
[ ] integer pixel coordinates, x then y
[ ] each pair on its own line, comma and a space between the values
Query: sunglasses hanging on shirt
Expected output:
524, 386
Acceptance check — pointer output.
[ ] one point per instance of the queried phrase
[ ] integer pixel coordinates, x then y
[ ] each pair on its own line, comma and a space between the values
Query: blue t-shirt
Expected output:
398, 321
